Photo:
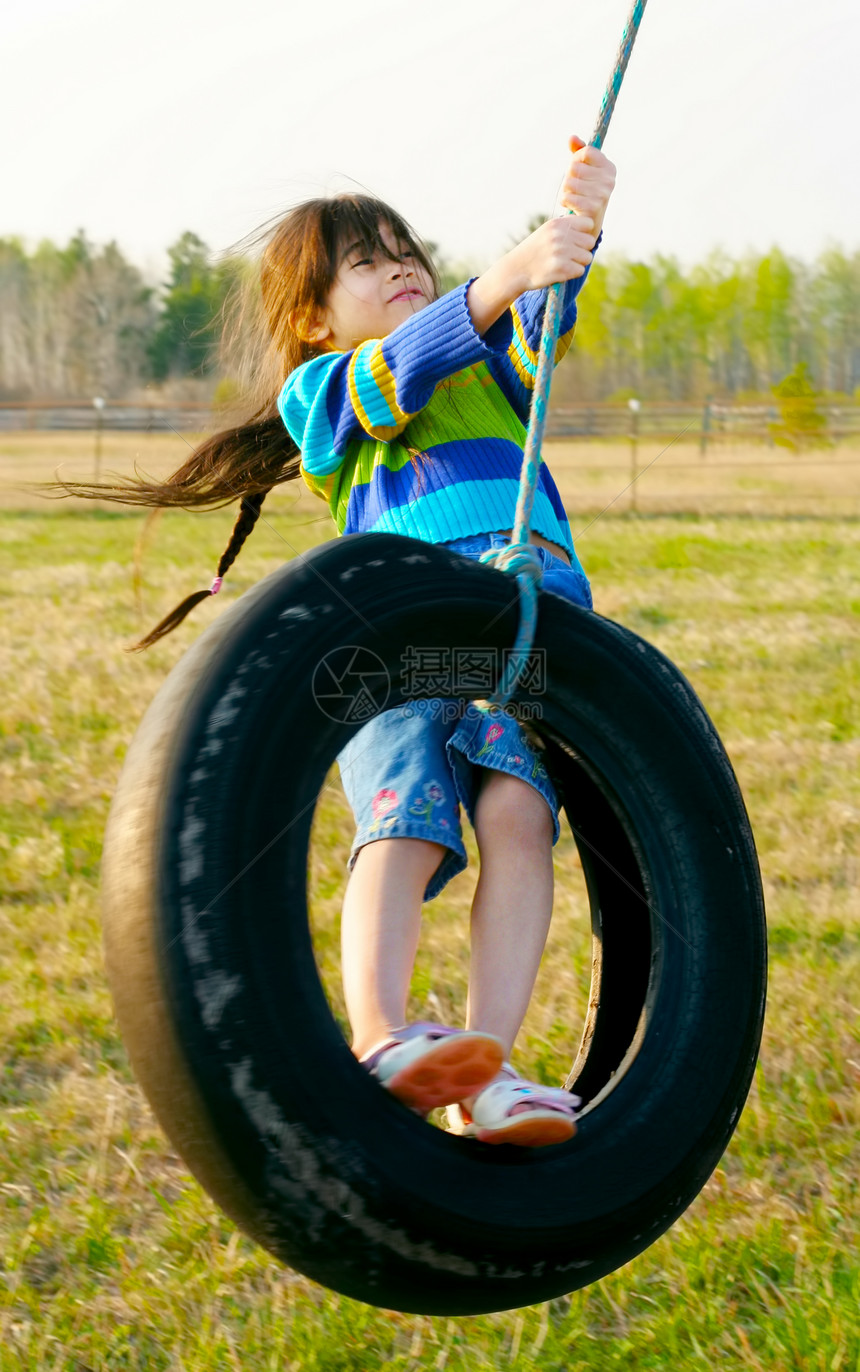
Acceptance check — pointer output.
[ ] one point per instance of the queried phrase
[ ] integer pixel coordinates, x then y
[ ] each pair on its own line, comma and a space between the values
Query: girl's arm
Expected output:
559, 250
516, 372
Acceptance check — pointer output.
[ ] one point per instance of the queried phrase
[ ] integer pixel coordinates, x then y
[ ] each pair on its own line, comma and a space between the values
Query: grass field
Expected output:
110, 1254
671, 477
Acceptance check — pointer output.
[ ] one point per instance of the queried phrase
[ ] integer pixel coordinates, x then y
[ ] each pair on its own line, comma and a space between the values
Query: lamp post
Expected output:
99, 407
634, 406
706, 428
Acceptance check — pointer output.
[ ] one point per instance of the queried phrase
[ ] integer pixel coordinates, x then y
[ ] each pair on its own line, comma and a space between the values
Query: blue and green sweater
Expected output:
422, 432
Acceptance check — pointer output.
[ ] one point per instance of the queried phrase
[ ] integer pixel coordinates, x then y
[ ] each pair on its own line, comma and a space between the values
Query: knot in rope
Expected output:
517, 558
521, 560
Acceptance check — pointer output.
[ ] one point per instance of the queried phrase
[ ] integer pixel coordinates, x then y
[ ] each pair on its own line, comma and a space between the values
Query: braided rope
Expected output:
521, 558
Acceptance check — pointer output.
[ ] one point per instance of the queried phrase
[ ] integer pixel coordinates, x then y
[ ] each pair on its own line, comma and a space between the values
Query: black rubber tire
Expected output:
211, 964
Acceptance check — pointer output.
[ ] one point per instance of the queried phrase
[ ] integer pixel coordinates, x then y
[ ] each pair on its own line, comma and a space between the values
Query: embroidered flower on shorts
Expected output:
492, 734
382, 802
423, 805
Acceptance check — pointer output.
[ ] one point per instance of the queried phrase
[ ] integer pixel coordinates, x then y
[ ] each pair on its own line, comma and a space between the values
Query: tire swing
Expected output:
220, 1004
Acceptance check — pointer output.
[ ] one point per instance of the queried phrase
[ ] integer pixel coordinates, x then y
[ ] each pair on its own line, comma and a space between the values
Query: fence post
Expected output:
634, 406
706, 428
98, 406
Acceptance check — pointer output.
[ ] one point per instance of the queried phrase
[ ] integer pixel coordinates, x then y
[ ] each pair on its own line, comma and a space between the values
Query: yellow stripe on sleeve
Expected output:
525, 359
563, 344
373, 392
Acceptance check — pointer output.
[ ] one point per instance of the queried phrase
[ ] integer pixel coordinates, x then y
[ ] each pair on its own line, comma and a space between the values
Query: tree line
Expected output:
725, 328
81, 320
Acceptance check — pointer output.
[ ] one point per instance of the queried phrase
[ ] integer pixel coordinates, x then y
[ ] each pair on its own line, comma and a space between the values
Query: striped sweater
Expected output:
422, 432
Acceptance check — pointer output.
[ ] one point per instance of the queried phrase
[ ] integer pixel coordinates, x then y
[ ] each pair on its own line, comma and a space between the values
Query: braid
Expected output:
249, 513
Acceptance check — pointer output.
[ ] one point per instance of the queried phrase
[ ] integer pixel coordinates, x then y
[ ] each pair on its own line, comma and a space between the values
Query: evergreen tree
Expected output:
186, 339
802, 422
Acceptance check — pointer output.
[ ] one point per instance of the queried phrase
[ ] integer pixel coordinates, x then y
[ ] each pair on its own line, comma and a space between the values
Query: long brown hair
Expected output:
298, 264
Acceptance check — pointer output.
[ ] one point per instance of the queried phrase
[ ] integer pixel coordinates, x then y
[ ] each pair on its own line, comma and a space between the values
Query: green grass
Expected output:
110, 1254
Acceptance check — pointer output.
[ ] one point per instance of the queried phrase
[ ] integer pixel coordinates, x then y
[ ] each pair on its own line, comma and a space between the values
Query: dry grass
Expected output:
112, 1257
591, 474
731, 478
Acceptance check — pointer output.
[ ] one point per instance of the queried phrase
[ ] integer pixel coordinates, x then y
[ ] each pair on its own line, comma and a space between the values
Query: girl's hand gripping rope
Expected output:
588, 183
559, 250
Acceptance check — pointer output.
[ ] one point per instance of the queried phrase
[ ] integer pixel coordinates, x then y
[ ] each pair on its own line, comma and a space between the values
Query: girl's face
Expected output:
372, 293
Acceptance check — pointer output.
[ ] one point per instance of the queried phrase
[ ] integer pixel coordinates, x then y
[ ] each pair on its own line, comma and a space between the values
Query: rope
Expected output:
521, 558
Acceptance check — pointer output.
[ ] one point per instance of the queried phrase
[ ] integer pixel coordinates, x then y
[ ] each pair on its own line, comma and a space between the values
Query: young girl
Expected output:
405, 412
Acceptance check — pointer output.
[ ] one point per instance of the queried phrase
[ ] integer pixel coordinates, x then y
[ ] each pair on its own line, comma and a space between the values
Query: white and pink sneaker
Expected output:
427, 1065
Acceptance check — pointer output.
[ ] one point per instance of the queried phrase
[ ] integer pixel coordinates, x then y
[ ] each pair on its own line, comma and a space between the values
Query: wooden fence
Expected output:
76, 415
714, 422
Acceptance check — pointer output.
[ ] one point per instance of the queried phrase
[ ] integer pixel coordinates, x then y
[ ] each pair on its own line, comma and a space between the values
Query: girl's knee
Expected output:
388, 857
510, 811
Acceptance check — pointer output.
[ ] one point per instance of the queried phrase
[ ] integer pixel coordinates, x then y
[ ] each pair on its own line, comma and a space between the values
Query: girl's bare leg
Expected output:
379, 933
512, 906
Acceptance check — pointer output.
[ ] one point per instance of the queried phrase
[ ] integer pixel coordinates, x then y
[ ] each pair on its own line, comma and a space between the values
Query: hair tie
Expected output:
216, 585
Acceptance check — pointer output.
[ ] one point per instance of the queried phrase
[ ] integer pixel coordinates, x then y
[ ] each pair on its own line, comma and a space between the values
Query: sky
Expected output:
736, 127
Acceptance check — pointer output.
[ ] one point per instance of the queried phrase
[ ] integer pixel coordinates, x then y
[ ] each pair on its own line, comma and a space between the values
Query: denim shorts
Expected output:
407, 772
